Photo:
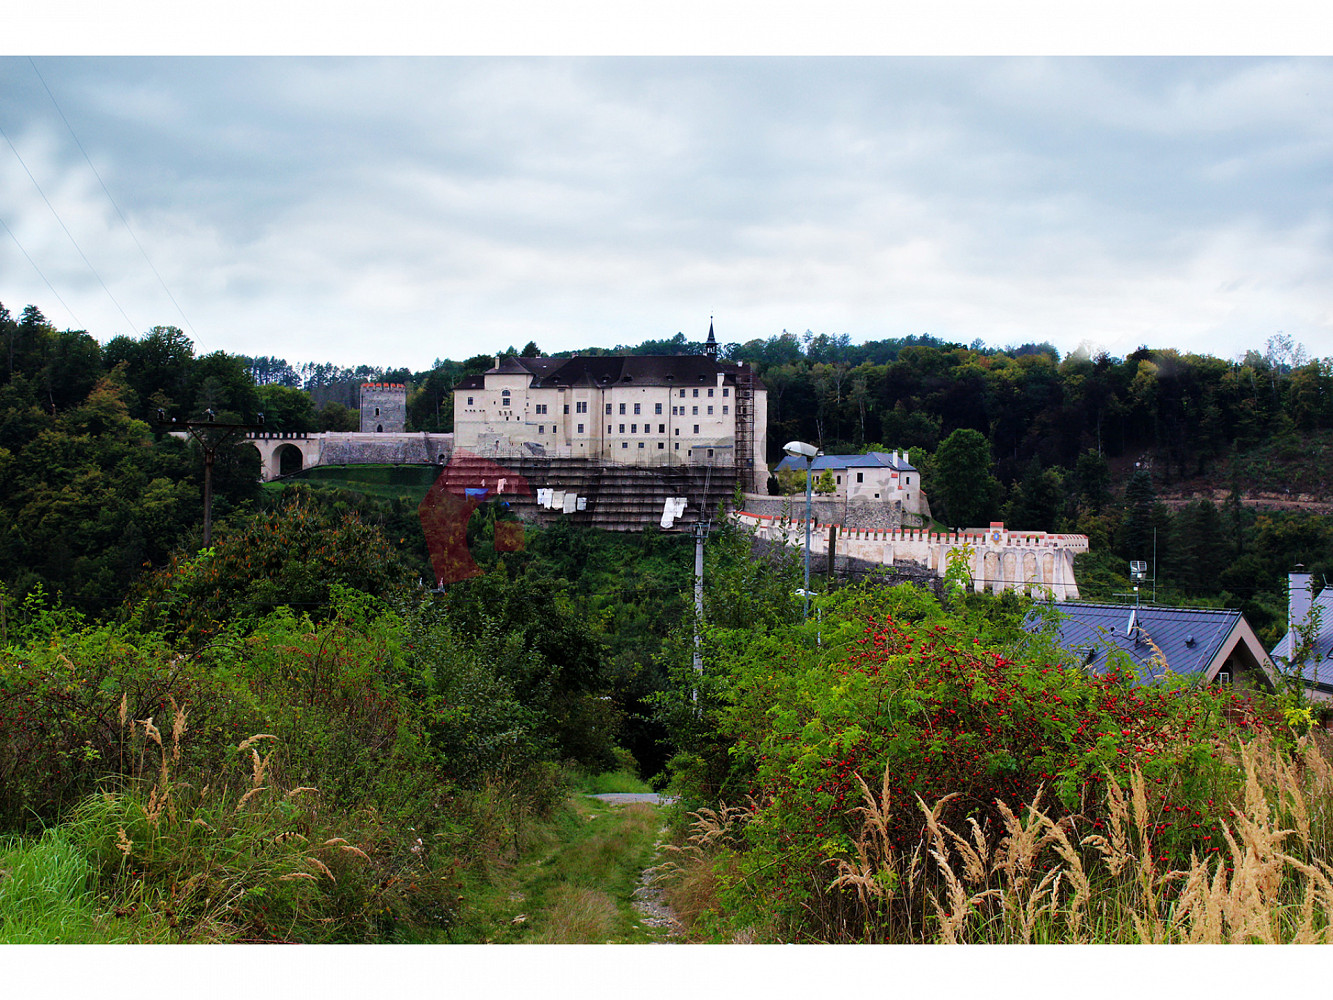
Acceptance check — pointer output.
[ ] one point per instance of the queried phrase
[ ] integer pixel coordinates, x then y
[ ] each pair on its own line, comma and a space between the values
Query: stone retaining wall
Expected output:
860, 515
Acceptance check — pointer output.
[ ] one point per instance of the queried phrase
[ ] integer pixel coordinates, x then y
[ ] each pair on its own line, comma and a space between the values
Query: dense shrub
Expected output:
889, 689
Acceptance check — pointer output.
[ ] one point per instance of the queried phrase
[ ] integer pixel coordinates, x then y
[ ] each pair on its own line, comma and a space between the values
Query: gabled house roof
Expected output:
1318, 669
1193, 642
840, 463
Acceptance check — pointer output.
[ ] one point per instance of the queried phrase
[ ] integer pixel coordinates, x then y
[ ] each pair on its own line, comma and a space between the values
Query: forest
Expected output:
286, 737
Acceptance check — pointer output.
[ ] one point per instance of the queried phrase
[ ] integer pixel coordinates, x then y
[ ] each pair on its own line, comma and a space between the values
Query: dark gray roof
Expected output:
1319, 669
877, 459
1189, 638
604, 371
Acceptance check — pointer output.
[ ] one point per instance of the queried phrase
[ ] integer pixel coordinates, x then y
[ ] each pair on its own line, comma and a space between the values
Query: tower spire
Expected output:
710, 345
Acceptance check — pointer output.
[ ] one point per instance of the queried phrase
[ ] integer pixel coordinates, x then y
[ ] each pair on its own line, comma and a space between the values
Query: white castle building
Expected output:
643, 410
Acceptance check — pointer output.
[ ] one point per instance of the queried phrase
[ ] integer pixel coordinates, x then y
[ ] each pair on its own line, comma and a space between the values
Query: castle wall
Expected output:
1038, 563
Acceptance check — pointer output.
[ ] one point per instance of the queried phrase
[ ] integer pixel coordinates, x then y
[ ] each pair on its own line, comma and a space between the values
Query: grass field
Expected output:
409, 482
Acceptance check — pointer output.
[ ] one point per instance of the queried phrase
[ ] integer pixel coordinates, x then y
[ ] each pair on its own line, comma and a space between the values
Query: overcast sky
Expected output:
392, 211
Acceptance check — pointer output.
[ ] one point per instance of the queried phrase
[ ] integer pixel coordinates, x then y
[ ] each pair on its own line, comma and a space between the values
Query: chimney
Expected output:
497, 361
1299, 596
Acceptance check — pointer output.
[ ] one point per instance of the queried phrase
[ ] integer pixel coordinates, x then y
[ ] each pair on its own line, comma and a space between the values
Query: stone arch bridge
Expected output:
282, 453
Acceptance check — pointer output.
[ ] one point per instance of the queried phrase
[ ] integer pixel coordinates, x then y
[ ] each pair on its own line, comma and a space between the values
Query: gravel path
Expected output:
648, 901
624, 798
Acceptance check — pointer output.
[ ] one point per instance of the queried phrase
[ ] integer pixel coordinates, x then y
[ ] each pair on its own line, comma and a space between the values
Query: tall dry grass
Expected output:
1047, 880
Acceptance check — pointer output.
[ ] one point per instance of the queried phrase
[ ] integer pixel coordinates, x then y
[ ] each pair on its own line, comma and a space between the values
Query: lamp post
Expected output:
799, 449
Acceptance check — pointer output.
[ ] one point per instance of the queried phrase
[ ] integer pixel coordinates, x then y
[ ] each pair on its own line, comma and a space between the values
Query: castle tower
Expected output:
710, 345
383, 408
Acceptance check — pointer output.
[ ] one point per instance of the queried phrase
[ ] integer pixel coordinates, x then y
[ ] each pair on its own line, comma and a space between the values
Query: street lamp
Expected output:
799, 449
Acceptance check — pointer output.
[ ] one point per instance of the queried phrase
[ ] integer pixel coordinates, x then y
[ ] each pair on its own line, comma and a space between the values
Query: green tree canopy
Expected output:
962, 482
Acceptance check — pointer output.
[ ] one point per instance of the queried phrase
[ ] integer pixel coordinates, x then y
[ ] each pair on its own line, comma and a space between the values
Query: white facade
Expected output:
1032, 562
884, 476
647, 411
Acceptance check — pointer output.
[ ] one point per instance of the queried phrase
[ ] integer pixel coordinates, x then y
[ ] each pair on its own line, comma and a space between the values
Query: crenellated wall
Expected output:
999, 559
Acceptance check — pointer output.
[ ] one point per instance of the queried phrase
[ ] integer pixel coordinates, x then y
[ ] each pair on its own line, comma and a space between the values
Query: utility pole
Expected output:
700, 530
211, 436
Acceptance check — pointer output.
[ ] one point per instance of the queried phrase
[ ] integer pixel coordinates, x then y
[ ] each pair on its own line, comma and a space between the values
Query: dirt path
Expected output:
648, 900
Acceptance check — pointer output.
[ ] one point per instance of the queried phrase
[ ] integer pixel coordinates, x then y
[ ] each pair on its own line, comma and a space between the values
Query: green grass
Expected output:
613, 781
576, 886
44, 895
390, 481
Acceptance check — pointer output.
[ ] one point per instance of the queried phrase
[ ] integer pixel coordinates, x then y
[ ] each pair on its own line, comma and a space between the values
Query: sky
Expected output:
394, 210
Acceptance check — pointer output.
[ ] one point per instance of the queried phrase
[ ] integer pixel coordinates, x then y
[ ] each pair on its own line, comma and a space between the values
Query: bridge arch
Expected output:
288, 459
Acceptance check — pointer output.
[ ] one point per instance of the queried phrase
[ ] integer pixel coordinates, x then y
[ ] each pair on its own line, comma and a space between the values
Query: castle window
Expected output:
696, 411
634, 428
657, 407
379, 428
566, 407
622, 428
909, 480
581, 407
640, 444
622, 408
860, 477
710, 411
608, 428
677, 435
377, 411
710, 452
839, 479
696, 393
710, 392
725, 392
678, 443
608, 409
682, 393
661, 428
696, 428
541, 407
726, 410
661, 445
580, 428
541, 428
469, 401
636, 408
624, 444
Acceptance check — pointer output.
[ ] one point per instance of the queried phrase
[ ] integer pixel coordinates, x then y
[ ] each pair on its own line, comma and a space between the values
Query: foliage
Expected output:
293, 555
940, 705
961, 480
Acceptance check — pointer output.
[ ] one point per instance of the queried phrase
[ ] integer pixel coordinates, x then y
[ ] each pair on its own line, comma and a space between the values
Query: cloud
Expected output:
396, 210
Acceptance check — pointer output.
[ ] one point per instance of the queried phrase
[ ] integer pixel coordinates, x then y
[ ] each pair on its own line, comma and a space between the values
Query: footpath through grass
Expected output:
577, 886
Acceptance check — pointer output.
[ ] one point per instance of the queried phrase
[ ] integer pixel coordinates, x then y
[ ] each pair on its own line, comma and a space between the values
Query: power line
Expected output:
66, 229
39, 272
111, 199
